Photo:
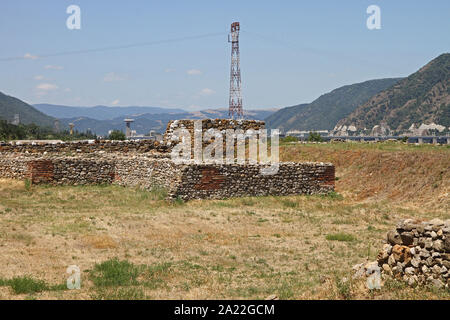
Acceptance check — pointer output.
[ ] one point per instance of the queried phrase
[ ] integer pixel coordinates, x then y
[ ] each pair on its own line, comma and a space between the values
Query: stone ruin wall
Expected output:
218, 124
185, 180
101, 146
147, 164
225, 181
417, 252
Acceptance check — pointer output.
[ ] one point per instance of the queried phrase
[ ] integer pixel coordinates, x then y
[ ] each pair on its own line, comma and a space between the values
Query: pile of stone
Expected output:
417, 252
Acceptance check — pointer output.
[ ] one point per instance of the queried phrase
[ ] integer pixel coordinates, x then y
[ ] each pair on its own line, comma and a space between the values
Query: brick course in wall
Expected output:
41, 171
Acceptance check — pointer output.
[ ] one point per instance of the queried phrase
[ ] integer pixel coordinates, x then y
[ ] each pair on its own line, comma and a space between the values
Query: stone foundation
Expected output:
186, 180
147, 164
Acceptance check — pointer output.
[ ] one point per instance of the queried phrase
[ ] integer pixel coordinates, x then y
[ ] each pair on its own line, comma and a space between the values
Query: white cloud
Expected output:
169, 70
47, 87
30, 56
52, 67
38, 77
193, 72
67, 90
207, 92
111, 77
115, 102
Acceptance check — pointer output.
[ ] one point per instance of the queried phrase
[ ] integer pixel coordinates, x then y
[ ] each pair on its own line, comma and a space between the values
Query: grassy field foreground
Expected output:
133, 244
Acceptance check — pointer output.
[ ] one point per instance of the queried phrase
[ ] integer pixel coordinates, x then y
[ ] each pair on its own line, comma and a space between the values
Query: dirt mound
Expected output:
418, 177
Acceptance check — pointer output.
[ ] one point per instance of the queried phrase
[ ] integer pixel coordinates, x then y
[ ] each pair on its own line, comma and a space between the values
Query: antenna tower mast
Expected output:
235, 109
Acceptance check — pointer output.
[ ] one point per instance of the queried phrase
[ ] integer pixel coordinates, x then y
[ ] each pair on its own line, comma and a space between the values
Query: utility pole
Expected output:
235, 109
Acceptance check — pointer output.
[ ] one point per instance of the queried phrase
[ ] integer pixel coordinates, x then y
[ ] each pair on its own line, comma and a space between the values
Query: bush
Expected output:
114, 273
27, 285
117, 135
315, 137
289, 139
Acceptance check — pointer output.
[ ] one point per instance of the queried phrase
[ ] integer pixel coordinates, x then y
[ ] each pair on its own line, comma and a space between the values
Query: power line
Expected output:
134, 45
320, 52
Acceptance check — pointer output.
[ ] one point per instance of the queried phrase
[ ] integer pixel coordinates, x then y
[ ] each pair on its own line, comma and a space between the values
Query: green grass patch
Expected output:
114, 272
334, 195
29, 285
340, 237
289, 203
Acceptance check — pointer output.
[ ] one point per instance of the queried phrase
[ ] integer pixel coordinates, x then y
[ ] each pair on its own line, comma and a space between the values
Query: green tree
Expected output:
315, 137
117, 135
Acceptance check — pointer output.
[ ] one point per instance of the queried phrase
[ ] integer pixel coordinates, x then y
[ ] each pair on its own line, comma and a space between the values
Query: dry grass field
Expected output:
133, 244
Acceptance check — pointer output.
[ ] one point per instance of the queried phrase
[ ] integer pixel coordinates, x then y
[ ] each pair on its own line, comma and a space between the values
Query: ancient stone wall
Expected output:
218, 124
148, 173
218, 181
140, 146
147, 164
13, 167
184, 180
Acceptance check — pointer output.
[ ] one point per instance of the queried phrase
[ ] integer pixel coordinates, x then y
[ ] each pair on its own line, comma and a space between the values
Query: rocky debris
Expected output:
417, 252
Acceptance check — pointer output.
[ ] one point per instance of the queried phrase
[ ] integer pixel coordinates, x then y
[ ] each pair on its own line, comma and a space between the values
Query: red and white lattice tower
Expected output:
235, 109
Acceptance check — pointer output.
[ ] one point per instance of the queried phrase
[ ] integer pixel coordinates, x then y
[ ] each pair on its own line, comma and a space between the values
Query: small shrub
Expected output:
289, 139
315, 137
27, 284
117, 135
114, 273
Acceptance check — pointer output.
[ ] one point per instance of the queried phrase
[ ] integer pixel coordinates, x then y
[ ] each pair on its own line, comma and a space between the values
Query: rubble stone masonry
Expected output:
185, 180
147, 164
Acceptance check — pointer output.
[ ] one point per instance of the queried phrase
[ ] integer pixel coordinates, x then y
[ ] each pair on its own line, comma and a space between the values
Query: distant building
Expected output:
305, 133
16, 120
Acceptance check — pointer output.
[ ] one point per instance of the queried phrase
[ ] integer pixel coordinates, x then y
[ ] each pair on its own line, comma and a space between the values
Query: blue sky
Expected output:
291, 51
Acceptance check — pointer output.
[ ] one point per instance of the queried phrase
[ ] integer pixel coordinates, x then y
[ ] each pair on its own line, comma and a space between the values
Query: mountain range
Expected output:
395, 105
10, 106
145, 122
324, 112
421, 98
99, 112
